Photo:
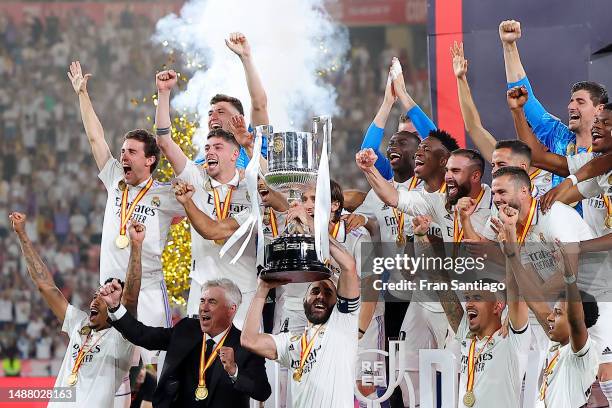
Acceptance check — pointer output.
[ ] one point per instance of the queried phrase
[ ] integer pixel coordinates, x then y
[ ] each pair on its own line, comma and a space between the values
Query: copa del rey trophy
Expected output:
294, 166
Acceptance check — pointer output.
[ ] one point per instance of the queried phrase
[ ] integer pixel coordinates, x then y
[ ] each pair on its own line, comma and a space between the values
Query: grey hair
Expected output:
232, 293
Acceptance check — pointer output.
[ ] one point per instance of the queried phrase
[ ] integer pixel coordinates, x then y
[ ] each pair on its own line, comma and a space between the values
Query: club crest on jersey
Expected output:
156, 201
295, 338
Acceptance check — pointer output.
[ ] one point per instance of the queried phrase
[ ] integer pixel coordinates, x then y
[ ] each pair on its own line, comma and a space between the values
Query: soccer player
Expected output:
585, 101
322, 358
485, 142
98, 358
132, 193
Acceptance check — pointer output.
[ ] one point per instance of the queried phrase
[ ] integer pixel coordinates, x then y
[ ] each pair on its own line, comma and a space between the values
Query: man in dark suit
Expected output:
205, 365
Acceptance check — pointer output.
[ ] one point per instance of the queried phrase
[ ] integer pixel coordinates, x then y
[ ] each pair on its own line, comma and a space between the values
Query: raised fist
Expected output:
183, 192
136, 231
18, 220
460, 64
111, 293
509, 31
79, 82
166, 80
239, 44
420, 224
517, 97
365, 159
466, 206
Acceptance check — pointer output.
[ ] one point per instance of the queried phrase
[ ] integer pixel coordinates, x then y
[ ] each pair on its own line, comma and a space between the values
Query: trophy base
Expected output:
293, 259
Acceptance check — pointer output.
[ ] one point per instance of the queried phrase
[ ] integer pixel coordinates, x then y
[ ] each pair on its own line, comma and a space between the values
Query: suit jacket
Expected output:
179, 341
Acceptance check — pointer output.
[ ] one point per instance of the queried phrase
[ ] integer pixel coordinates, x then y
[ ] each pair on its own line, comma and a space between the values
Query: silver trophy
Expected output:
293, 159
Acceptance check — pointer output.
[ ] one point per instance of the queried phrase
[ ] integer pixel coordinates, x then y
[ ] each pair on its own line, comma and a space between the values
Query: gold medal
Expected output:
609, 221
297, 374
122, 185
400, 240
72, 379
201, 393
122, 241
85, 330
469, 399
219, 241
610, 179
570, 149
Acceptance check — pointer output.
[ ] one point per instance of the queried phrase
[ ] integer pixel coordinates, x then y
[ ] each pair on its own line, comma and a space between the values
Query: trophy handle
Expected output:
324, 124
265, 131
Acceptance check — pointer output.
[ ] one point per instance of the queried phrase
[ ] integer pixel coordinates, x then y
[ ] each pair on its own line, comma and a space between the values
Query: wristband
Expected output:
569, 279
162, 131
419, 235
573, 178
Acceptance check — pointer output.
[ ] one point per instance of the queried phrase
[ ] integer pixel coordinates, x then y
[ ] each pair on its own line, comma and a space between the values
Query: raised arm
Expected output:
509, 33
129, 299
575, 311
165, 81
251, 338
93, 127
38, 270
540, 156
348, 283
239, 44
384, 190
203, 224
484, 141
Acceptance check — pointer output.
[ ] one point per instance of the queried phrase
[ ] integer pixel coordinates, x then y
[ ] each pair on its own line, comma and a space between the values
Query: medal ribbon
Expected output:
548, 372
442, 188
204, 365
335, 230
126, 212
533, 175
273, 224
79, 359
222, 212
472, 358
527, 227
457, 230
306, 347
413, 183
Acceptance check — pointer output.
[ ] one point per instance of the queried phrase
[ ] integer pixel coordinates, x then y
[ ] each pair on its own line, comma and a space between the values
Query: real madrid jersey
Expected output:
328, 378
206, 263
594, 206
541, 182
497, 366
106, 361
571, 374
155, 210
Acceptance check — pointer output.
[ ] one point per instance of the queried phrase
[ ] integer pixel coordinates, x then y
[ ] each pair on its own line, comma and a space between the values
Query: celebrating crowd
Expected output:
423, 190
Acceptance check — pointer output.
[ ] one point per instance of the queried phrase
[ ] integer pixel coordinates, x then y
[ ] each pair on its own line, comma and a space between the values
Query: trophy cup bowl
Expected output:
292, 169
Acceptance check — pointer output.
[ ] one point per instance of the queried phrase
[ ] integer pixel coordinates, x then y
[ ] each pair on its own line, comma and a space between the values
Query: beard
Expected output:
462, 191
316, 318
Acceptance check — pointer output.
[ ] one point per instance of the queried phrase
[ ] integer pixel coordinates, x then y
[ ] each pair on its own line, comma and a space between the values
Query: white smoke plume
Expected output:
292, 41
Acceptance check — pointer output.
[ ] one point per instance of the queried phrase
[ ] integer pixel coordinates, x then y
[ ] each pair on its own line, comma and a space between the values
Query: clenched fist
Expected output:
166, 80
509, 31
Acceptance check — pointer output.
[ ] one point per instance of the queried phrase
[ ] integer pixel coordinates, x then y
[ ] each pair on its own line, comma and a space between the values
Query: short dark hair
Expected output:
517, 147
150, 144
474, 156
608, 106
109, 280
410, 135
597, 91
518, 174
337, 195
589, 306
235, 102
404, 119
225, 135
449, 142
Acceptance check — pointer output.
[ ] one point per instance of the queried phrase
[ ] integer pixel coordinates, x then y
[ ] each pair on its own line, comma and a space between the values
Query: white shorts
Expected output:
372, 364
193, 303
423, 329
602, 332
153, 310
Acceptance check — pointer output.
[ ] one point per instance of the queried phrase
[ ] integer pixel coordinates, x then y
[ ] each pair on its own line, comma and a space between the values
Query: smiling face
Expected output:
136, 167
483, 310
506, 191
215, 312
459, 177
504, 157
601, 132
400, 152
221, 156
429, 158
98, 312
581, 111
320, 301
220, 114
558, 324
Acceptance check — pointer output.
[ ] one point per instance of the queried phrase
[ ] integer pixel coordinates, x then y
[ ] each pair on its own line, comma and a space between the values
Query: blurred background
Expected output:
47, 170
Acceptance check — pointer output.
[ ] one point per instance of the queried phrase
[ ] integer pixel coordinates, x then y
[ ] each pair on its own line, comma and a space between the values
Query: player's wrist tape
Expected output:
573, 178
569, 279
162, 131
420, 235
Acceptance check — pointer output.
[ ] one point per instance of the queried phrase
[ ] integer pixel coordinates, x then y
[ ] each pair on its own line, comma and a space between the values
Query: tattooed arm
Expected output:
38, 271
133, 279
